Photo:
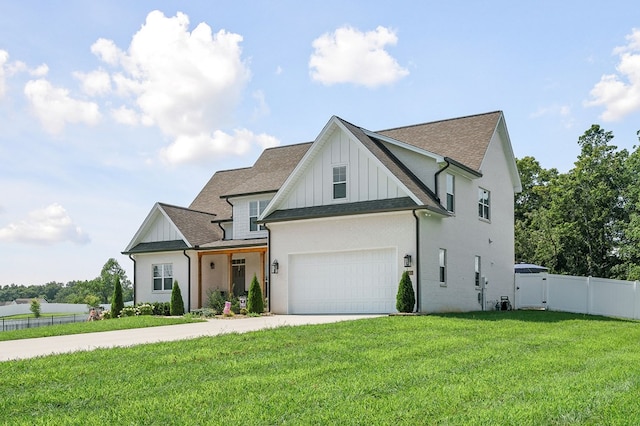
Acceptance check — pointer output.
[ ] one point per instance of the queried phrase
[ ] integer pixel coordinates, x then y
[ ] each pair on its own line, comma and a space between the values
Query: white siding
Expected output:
241, 217
465, 236
366, 180
161, 230
144, 276
421, 166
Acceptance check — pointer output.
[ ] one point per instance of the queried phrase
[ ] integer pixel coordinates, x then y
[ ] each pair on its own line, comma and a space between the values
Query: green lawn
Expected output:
93, 326
502, 368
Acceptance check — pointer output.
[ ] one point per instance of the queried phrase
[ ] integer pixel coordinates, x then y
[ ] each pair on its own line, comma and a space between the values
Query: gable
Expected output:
366, 179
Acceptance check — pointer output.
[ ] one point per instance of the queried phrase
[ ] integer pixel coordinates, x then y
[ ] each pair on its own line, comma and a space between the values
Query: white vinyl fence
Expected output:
45, 308
585, 295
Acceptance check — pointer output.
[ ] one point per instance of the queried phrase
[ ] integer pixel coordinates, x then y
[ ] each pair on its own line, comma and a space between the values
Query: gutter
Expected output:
435, 178
267, 285
417, 260
133, 259
188, 280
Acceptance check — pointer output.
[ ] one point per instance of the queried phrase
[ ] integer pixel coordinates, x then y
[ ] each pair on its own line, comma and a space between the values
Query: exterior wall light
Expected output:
274, 267
407, 260
212, 265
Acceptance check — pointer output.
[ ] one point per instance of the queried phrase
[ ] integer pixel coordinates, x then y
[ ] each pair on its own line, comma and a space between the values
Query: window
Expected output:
162, 277
451, 186
478, 271
255, 210
484, 204
443, 267
339, 182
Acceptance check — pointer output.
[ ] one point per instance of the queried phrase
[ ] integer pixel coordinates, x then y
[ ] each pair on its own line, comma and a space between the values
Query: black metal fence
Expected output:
19, 324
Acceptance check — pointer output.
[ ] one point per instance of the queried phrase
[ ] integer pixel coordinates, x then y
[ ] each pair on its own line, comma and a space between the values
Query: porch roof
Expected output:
158, 246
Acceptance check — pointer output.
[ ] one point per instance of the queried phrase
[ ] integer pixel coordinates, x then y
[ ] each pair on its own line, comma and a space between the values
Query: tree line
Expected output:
92, 292
586, 221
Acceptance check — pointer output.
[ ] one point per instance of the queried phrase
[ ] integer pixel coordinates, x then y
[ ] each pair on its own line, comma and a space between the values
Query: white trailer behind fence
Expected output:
585, 295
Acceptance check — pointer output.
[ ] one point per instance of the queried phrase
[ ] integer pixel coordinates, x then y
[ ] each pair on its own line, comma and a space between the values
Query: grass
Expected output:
502, 368
93, 326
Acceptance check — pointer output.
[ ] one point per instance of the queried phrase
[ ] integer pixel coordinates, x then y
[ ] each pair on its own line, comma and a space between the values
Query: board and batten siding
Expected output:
161, 229
366, 179
241, 217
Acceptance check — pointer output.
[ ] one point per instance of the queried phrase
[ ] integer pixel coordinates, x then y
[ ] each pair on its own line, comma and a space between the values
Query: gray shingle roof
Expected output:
395, 166
158, 246
196, 226
464, 139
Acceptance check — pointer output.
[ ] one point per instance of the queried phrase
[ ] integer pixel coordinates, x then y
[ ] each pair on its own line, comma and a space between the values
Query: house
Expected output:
329, 226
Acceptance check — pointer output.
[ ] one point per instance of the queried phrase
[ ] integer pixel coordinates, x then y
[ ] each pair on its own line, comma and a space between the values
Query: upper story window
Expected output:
451, 187
339, 182
484, 204
162, 277
255, 210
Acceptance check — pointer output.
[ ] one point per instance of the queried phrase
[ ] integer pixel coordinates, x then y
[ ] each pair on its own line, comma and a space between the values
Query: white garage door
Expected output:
363, 281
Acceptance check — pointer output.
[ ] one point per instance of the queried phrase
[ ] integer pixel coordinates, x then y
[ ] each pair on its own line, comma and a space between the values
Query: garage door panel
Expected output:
343, 282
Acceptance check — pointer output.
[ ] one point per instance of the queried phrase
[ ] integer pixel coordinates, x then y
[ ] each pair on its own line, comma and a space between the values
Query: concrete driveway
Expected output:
29, 348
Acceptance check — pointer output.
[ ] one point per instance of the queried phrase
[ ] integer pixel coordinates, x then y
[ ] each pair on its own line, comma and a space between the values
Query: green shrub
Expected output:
35, 307
162, 309
128, 311
405, 299
116, 300
145, 309
215, 300
177, 305
106, 315
255, 304
202, 313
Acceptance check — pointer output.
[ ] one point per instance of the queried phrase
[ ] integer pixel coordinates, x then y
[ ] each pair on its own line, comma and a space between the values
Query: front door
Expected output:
238, 277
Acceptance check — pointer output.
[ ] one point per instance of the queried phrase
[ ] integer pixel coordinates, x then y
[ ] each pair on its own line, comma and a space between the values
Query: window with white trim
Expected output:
255, 210
339, 182
484, 204
451, 187
478, 271
162, 277
443, 266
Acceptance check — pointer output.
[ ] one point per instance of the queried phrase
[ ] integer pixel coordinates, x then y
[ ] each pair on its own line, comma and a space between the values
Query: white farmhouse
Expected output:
329, 226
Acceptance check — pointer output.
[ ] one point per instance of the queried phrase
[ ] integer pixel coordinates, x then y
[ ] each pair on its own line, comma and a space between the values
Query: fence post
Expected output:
589, 295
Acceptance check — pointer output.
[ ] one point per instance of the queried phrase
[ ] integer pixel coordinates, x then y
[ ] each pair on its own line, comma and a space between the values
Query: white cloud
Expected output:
188, 83
207, 147
54, 107
261, 109
49, 225
94, 83
561, 111
619, 93
351, 56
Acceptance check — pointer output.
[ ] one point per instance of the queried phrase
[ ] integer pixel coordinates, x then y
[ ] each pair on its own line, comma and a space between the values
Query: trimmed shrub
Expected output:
255, 304
177, 305
128, 311
405, 299
106, 315
116, 300
145, 309
162, 309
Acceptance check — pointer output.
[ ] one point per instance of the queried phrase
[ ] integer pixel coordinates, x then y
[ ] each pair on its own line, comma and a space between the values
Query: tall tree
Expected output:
110, 271
116, 301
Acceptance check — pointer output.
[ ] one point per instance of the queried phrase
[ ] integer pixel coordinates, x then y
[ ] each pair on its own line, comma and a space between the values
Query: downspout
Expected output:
267, 285
133, 259
188, 280
417, 260
435, 177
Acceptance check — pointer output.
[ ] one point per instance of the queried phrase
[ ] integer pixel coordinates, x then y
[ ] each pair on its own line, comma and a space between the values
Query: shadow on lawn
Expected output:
529, 316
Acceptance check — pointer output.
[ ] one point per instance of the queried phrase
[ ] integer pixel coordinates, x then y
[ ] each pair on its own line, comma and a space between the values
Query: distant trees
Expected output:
586, 221
74, 291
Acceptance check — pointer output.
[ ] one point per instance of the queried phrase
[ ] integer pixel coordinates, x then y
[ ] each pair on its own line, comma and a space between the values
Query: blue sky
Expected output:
109, 106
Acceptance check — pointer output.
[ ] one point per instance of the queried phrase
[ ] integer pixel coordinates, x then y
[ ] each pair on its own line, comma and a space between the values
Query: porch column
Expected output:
262, 275
230, 272
199, 280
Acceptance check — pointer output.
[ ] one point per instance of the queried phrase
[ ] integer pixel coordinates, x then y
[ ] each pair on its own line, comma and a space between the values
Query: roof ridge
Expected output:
185, 208
440, 121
